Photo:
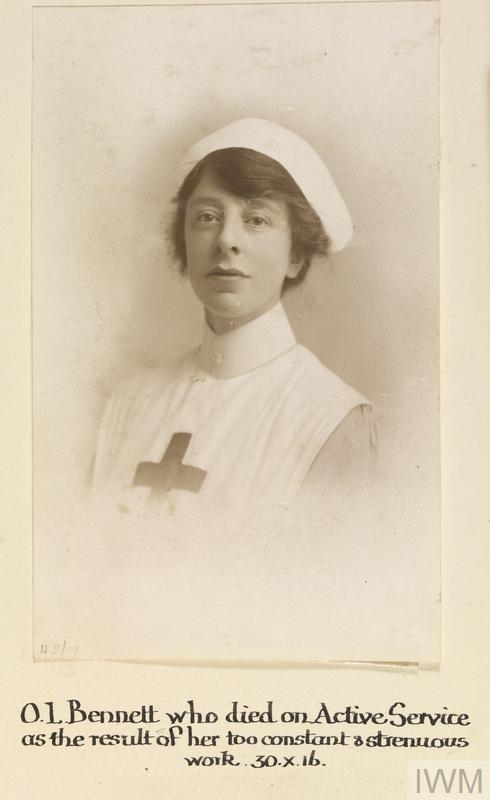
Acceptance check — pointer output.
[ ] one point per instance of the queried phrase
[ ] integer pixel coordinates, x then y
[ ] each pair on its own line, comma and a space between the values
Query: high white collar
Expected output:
247, 347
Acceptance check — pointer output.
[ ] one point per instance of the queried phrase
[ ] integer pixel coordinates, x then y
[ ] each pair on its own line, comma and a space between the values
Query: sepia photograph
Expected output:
235, 270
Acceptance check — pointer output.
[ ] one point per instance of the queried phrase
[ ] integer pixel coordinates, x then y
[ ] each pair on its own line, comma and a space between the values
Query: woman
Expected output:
249, 415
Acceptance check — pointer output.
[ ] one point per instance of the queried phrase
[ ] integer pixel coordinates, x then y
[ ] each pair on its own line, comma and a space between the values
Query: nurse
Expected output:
250, 415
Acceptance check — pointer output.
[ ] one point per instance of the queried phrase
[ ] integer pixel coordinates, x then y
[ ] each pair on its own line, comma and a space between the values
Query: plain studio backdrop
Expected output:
119, 95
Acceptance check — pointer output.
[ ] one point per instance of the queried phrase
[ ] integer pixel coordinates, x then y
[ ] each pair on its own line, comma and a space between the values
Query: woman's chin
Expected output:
226, 304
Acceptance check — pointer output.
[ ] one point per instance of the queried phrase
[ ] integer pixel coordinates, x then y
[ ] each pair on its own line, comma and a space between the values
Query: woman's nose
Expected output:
229, 236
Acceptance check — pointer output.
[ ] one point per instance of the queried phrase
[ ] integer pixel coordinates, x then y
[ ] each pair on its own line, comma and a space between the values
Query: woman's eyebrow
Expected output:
263, 202
200, 199
252, 202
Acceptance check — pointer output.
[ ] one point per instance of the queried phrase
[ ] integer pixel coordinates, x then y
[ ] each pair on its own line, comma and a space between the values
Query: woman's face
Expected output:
238, 253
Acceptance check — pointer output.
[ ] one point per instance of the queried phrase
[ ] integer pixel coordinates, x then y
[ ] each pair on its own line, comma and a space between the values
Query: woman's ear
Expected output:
295, 267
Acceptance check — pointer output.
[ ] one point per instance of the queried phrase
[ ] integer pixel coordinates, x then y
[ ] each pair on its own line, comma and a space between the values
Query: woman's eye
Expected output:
257, 222
206, 217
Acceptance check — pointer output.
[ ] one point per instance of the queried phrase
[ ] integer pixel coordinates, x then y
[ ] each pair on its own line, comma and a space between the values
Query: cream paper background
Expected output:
118, 95
461, 682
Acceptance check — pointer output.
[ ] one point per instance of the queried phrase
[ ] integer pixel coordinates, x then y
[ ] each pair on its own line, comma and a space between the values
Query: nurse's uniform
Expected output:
252, 410
213, 554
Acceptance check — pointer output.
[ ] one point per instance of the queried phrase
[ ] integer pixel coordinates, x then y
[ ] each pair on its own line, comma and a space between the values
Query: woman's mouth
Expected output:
222, 272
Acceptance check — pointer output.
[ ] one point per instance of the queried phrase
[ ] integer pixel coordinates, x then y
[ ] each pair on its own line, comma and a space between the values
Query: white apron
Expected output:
210, 554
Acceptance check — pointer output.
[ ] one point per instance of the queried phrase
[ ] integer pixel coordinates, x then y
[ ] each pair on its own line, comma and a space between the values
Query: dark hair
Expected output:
250, 174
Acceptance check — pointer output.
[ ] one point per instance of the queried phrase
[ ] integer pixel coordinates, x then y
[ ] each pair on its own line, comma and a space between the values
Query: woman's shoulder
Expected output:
322, 383
131, 403
146, 382
346, 455
133, 397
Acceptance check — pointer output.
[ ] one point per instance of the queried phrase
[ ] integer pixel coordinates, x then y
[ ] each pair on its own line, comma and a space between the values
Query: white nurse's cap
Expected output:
303, 164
